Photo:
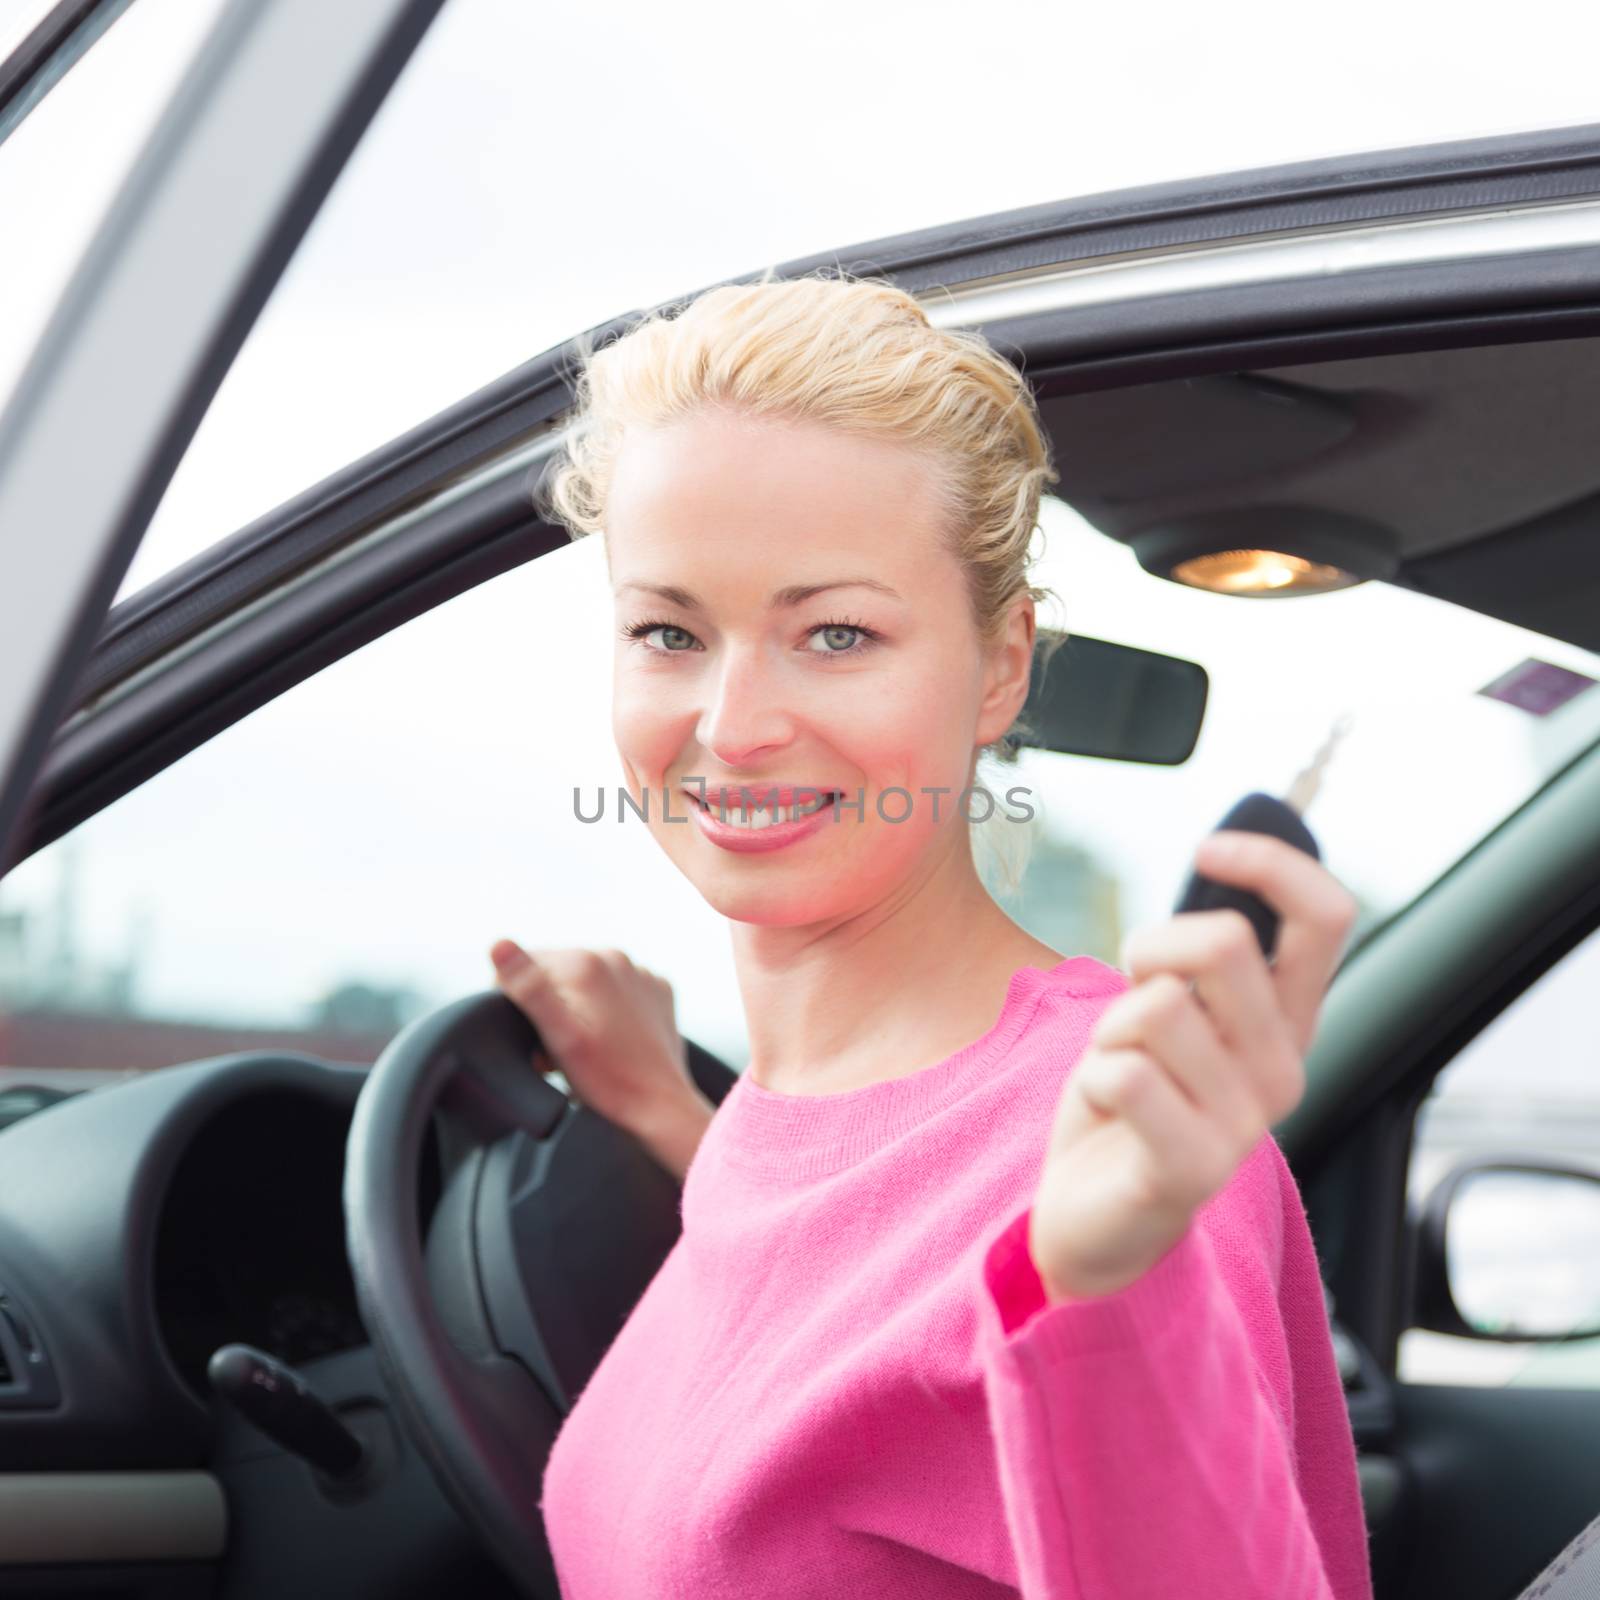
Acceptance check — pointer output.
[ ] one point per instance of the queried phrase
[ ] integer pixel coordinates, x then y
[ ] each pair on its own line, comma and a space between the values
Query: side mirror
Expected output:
1096, 698
1508, 1248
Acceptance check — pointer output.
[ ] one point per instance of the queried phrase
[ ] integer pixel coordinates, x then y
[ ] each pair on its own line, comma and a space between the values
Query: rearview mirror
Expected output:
1116, 701
1508, 1248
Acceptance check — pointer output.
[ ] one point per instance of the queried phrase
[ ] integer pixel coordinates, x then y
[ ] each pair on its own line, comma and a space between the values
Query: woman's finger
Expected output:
1218, 950
1162, 1017
1316, 911
529, 987
1185, 1160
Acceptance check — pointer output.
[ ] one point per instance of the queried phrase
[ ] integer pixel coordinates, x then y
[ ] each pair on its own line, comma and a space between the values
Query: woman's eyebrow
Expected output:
794, 594
798, 593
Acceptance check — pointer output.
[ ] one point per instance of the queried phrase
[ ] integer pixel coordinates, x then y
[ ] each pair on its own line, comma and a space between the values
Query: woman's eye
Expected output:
671, 639
836, 639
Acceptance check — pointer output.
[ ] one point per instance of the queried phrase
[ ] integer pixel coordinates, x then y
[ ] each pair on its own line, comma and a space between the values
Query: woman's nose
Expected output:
744, 715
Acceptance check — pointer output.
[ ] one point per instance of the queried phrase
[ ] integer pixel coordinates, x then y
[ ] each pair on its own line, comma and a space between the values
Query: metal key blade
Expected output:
1304, 788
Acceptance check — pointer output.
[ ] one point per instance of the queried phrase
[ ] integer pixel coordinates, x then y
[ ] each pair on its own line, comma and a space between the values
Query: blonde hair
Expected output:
851, 352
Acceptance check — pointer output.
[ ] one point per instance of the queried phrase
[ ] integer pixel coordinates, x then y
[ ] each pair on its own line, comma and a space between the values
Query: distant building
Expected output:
85, 1047
43, 963
1067, 898
63, 1014
365, 1008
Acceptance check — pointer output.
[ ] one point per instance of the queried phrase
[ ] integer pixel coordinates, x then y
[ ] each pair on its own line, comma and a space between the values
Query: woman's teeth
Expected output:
769, 816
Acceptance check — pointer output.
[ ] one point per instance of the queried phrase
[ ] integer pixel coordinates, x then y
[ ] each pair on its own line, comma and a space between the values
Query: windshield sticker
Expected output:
1539, 687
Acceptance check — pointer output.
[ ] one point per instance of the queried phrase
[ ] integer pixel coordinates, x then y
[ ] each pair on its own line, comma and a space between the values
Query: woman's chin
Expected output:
768, 907
771, 899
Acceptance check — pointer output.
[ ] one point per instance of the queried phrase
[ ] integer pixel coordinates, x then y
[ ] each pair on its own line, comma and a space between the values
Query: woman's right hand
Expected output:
609, 1027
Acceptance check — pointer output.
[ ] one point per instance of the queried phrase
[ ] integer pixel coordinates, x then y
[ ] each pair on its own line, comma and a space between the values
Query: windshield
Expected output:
1430, 762
342, 859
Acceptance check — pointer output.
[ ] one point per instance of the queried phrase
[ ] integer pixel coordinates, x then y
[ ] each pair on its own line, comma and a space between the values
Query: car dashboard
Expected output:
249, 1245
144, 1225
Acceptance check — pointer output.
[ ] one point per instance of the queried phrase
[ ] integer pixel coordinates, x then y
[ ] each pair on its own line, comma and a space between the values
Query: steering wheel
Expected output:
550, 1223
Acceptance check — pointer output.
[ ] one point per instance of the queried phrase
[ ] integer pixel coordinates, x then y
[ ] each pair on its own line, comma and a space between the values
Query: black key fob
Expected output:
1256, 813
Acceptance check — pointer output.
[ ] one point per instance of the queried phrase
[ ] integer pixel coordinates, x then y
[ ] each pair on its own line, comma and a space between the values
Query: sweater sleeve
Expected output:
1141, 1453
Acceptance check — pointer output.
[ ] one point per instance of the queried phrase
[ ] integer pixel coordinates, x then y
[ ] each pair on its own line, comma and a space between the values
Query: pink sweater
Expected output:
845, 1379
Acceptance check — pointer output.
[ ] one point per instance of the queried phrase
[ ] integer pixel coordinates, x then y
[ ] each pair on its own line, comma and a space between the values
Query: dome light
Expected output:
1267, 552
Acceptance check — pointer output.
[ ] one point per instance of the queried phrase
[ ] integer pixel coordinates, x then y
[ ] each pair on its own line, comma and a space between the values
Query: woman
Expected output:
992, 1280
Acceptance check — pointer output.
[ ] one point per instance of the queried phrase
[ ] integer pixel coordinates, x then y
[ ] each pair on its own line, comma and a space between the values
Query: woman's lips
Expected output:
760, 837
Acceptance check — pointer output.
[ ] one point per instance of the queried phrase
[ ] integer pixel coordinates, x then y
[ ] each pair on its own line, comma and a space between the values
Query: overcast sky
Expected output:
538, 171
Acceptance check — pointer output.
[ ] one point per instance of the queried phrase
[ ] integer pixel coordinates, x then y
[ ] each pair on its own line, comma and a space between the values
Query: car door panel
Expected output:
1504, 1477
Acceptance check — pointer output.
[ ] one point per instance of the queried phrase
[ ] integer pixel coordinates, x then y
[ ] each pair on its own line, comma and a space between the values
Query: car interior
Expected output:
302, 1263
154, 1220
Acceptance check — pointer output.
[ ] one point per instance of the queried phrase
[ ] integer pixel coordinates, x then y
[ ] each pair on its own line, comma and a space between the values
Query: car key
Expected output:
1265, 813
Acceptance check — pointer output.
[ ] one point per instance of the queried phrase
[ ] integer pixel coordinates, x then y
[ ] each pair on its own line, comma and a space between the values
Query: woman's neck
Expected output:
886, 993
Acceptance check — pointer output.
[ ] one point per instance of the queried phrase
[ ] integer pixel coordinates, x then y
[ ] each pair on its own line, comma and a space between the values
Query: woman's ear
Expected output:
1007, 672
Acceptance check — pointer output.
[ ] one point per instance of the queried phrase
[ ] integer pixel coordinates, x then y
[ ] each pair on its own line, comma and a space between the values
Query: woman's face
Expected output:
788, 617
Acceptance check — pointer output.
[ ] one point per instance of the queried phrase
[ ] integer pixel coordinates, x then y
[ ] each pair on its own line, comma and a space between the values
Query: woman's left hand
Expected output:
1178, 1085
